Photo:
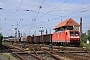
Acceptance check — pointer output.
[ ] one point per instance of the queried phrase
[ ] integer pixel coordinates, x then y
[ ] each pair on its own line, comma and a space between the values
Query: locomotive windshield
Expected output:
74, 32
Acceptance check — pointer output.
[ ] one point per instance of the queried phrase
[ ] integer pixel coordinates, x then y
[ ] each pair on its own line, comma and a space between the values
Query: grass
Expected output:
8, 56
0, 54
86, 45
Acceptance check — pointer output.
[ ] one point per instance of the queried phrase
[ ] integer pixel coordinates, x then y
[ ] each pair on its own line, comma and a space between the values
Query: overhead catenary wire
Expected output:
66, 14
73, 12
6, 3
61, 15
13, 14
35, 17
40, 7
49, 11
77, 11
53, 9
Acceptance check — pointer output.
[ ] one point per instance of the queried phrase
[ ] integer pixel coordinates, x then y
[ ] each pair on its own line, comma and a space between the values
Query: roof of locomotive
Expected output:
66, 31
68, 22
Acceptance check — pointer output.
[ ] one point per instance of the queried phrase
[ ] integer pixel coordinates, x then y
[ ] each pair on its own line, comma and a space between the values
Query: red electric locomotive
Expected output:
68, 37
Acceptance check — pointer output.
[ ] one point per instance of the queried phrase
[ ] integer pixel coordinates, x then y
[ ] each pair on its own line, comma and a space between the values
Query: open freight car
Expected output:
41, 39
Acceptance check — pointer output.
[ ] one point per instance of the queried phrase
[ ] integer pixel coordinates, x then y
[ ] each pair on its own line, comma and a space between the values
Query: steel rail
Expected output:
55, 57
21, 57
36, 56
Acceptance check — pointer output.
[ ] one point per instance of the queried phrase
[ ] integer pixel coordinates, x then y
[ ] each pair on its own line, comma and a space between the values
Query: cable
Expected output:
53, 8
76, 11
14, 13
40, 7
33, 20
67, 14
70, 13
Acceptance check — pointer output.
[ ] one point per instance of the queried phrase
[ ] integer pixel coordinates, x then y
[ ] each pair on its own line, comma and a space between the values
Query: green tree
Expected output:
10, 36
1, 38
88, 32
84, 37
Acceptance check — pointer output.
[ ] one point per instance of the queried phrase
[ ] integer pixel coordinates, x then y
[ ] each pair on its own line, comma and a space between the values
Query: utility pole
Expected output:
15, 34
19, 36
81, 25
17, 29
41, 32
46, 31
80, 28
50, 30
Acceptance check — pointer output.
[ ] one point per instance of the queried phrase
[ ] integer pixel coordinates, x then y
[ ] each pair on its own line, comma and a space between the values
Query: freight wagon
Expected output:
46, 39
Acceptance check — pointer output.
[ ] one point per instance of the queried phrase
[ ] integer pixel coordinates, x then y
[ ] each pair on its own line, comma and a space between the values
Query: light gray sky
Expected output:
48, 16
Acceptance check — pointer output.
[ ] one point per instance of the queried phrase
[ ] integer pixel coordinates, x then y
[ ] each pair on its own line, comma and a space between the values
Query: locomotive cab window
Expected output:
74, 32
71, 33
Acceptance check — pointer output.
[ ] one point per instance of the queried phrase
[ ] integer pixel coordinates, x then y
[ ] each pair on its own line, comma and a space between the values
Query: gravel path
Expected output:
6, 56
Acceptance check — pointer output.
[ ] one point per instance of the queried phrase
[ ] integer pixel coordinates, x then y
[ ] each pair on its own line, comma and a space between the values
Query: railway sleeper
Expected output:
55, 57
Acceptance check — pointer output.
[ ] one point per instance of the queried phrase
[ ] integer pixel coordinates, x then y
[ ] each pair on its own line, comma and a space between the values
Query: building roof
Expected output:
68, 22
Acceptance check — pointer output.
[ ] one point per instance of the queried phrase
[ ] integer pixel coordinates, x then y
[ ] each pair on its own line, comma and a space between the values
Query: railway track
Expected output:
76, 52
41, 52
25, 55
